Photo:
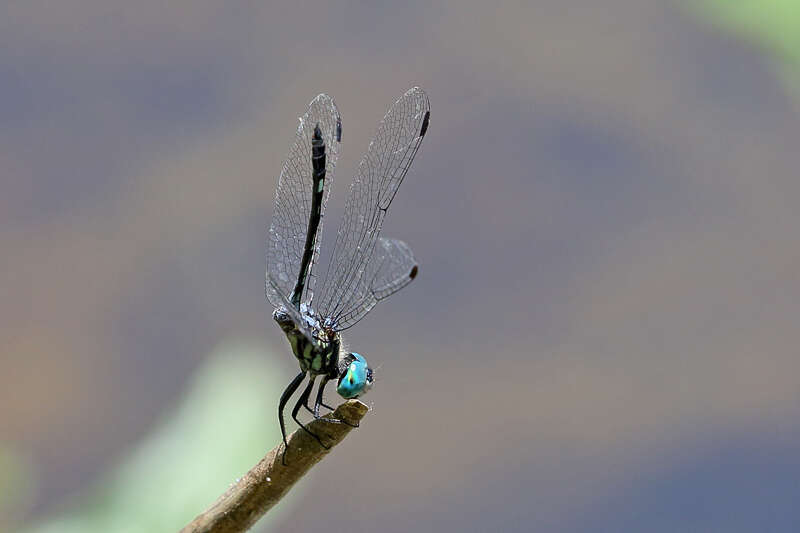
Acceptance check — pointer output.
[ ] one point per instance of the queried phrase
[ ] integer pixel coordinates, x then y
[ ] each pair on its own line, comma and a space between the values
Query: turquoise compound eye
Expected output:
356, 380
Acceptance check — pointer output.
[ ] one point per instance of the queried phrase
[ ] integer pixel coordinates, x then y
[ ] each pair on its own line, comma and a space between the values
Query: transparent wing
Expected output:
348, 281
289, 309
391, 268
290, 218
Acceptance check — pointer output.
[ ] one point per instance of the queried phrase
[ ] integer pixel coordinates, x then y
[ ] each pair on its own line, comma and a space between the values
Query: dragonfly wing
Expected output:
392, 267
348, 281
290, 218
286, 306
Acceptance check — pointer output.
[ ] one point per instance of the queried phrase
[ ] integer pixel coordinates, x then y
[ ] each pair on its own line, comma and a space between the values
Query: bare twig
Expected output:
265, 484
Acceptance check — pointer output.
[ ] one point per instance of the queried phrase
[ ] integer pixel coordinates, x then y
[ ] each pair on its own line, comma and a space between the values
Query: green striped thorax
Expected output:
323, 355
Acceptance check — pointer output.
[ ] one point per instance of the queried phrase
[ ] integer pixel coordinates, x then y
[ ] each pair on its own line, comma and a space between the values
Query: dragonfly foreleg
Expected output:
319, 402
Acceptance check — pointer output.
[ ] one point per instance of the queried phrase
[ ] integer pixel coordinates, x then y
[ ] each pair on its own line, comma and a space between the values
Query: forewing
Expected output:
392, 267
388, 158
287, 232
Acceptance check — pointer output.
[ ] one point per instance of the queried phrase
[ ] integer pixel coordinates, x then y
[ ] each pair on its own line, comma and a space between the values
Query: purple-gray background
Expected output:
603, 335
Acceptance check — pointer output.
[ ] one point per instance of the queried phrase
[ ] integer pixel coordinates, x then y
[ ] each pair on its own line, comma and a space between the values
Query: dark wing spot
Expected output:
338, 130
425, 122
413, 273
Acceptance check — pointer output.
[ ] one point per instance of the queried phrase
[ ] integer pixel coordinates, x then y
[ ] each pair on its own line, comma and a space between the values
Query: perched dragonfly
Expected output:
364, 268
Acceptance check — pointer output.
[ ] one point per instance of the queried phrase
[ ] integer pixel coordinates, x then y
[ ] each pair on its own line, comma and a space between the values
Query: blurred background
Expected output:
604, 332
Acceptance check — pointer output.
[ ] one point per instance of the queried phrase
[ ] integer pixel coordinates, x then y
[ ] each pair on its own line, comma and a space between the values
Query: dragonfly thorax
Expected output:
318, 353
323, 355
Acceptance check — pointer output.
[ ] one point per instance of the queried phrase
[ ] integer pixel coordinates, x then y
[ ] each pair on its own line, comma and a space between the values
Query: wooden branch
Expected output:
266, 483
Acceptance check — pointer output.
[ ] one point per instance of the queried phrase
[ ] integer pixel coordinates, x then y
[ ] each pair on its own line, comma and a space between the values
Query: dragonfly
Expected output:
364, 267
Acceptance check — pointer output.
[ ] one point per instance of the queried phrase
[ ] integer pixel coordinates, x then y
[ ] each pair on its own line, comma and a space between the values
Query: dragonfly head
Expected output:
355, 376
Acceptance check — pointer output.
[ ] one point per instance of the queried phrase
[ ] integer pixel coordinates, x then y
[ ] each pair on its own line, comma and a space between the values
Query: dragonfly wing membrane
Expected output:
395, 267
392, 267
292, 212
349, 278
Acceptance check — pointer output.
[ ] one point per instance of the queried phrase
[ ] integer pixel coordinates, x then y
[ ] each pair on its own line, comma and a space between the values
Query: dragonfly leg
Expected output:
282, 404
319, 402
304, 399
305, 404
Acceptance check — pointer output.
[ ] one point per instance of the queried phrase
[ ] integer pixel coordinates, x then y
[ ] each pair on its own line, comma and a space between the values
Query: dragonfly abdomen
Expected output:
318, 162
318, 156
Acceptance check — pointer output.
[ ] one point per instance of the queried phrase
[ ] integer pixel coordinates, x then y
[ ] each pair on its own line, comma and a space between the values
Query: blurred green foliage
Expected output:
17, 485
222, 427
773, 25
